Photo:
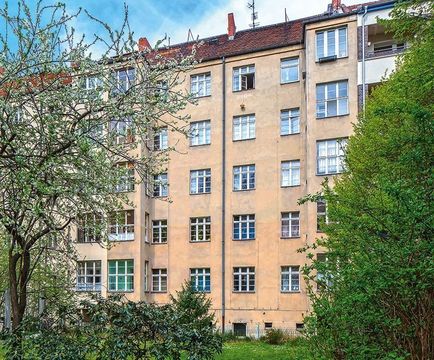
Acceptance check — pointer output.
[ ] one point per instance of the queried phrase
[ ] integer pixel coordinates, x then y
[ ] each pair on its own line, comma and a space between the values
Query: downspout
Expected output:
223, 191
363, 58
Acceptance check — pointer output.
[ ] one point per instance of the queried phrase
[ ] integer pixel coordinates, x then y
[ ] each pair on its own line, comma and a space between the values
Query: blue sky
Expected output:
155, 18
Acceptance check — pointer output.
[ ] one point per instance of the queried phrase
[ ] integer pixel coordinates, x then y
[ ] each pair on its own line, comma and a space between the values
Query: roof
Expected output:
257, 39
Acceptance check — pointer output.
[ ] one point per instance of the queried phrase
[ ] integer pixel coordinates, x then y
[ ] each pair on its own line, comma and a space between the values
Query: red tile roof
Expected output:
252, 40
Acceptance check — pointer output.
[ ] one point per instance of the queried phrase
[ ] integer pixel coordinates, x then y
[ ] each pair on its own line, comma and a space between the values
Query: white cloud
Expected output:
269, 12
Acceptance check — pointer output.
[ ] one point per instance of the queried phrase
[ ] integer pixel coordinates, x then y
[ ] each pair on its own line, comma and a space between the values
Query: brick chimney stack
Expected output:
231, 26
144, 44
336, 5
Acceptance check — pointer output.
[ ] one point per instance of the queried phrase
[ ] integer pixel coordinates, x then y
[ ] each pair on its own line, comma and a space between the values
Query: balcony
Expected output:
121, 232
381, 44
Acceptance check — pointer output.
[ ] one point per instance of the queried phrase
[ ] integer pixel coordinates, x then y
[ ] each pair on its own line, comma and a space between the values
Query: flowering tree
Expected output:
67, 120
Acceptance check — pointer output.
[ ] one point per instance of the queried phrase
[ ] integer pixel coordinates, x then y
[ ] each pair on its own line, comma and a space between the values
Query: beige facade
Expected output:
271, 256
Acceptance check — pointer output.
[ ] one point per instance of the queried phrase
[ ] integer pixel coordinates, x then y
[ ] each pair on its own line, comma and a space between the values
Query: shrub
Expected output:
275, 337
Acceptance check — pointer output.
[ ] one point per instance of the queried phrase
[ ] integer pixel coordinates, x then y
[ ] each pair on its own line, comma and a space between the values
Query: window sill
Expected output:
199, 145
290, 82
290, 292
244, 239
290, 237
243, 292
199, 241
243, 190
88, 290
201, 97
242, 90
203, 193
159, 243
289, 186
124, 191
333, 58
121, 241
238, 140
329, 174
332, 116
160, 196
158, 292
297, 133
121, 291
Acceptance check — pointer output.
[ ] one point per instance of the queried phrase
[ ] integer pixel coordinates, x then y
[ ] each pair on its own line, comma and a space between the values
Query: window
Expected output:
240, 329
244, 127
121, 275
299, 326
89, 275
290, 224
159, 280
126, 177
321, 215
244, 227
200, 229
330, 156
159, 231
332, 99
290, 122
160, 139
290, 279
200, 133
244, 177
268, 325
121, 225
121, 131
147, 228
323, 278
331, 44
290, 173
146, 276
200, 85
288, 70
243, 78
89, 228
160, 185
90, 83
244, 279
124, 80
162, 90
201, 279
200, 181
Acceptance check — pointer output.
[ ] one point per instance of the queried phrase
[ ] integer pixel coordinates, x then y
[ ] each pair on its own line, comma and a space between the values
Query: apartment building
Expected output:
275, 106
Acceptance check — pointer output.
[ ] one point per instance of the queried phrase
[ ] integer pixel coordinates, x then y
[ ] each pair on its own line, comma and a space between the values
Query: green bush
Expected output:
275, 337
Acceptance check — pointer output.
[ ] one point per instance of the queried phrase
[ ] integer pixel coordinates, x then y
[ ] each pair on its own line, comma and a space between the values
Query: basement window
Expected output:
243, 78
268, 325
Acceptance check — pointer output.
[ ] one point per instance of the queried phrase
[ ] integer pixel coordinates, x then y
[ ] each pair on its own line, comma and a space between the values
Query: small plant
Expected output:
275, 337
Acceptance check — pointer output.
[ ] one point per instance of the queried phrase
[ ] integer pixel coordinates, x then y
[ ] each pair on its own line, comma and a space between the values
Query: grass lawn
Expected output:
256, 350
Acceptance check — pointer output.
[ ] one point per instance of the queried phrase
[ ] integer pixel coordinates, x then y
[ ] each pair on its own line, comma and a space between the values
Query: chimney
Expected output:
231, 26
144, 44
336, 5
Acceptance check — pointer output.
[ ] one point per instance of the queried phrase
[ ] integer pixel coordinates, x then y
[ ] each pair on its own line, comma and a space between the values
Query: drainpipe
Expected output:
363, 58
223, 192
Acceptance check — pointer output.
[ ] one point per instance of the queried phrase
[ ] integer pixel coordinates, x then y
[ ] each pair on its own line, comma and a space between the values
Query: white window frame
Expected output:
128, 79
160, 185
320, 215
201, 275
244, 127
286, 65
200, 85
88, 230
200, 133
117, 275
244, 279
244, 221
244, 177
89, 269
329, 152
290, 173
200, 225
161, 141
290, 224
121, 231
147, 227
121, 131
338, 52
290, 279
146, 276
127, 179
159, 231
200, 181
323, 106
239, 77
160, 275
290, 121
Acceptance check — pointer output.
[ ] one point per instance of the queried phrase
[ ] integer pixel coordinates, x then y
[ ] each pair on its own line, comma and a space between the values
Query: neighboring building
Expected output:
275, 106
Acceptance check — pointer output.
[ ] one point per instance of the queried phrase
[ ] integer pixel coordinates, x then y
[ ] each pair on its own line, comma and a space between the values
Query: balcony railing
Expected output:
121, 232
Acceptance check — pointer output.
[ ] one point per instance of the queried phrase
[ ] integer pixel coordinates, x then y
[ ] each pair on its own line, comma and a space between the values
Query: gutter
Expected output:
363, 58
223, 229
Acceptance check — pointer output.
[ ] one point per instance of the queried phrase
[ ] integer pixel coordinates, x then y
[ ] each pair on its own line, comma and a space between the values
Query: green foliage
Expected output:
120, 329
378, 300
275, 337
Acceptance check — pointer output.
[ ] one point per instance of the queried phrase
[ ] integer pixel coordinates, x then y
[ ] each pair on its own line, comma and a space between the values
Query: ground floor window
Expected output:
121, 275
